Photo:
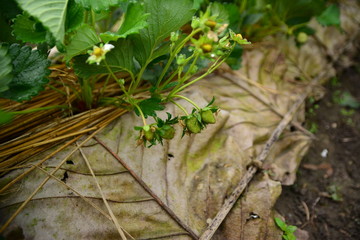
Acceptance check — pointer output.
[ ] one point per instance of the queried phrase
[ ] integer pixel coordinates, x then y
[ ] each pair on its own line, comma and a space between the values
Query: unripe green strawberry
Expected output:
193, 125
148, 133
208, 117
167, 132
302, 37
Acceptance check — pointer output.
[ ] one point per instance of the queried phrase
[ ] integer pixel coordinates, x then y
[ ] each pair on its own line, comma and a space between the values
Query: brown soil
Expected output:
309, 203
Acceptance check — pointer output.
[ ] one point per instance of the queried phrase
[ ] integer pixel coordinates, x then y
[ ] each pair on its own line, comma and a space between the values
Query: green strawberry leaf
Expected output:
51, 13
211, 102
135, 20
166, 16
168, 121
149, 106
138, 128
348, 100
8, 11
109, 36
220, 12
161, 50
30, 69
5, 68
291, 236
290, 229
84, 38
296, 12
287, 229
197, 4
85, 70
120, 59
282, 225
330, 16
98, 5
235, 58
74, 16
28, 29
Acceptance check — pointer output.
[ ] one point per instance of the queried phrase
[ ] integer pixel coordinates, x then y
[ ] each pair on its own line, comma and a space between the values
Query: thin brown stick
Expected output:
306, 209
149, 199
32, 119
167, 236
88, 174
23, 157
15, 168
250, 173
49, 130
37, 144
75, 191
148, 190
113, 217
57, 128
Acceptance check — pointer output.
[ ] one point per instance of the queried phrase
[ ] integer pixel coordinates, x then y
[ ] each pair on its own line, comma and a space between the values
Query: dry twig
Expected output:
231, 200
306, 209
113, 217
148, 190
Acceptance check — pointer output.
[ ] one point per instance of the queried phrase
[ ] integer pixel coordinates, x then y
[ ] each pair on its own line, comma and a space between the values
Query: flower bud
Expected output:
181, 59
174, 36
195, 23
210, 23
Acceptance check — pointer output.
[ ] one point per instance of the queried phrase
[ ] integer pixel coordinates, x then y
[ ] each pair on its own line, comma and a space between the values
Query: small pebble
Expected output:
324, 153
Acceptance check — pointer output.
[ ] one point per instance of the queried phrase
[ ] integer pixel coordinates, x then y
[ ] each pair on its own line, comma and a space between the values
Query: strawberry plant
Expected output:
151, 49
257, 19
260, 18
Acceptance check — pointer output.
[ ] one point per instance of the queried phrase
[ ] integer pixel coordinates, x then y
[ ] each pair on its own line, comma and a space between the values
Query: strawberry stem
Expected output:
179, 106
141, 114
188, 100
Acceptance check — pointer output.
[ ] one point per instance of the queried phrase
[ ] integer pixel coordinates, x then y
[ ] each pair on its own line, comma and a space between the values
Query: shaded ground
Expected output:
325, 200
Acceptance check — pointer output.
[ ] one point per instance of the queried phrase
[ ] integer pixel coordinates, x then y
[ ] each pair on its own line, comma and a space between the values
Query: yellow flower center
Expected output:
98, 52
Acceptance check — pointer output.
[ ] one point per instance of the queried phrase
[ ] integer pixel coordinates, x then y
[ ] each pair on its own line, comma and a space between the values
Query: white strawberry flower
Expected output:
107, 47
98, 53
